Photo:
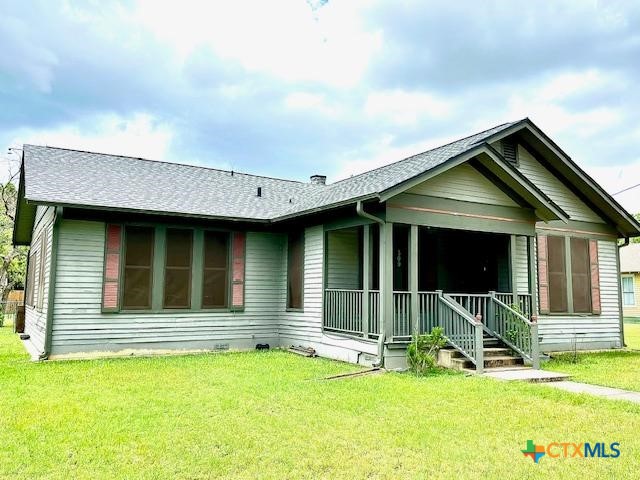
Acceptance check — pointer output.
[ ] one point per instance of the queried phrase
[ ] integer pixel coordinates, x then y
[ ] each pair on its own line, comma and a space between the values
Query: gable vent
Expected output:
510, 151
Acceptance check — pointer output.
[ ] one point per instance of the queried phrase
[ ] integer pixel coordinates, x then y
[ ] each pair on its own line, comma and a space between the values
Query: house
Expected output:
630, 279
497, 235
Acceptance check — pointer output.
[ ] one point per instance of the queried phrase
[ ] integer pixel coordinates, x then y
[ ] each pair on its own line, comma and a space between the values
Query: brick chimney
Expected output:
319, 179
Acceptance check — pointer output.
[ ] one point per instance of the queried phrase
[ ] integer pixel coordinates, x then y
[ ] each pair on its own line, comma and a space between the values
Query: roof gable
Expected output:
466, 183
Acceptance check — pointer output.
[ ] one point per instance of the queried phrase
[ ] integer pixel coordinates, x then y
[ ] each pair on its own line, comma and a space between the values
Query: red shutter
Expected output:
237, 270
111, 280
543, 275
595, 277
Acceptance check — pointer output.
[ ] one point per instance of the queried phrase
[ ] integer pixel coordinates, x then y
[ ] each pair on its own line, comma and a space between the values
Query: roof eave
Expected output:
150, 212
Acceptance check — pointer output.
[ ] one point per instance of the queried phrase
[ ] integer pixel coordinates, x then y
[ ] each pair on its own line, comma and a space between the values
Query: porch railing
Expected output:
374, 312
514, 329
523, 302
474, 303
343, 311
402, 314
428, 316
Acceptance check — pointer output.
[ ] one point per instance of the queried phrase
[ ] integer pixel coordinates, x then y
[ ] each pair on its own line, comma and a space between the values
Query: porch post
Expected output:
413, 279
514, 263
533, 277
386, 278
366, 241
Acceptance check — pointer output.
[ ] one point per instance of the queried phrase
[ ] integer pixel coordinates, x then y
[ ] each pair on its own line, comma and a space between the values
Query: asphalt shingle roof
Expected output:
72, 177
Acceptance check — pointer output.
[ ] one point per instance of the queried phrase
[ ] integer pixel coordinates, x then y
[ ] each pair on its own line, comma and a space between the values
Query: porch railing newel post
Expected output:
491, 317
535, 346
479, 350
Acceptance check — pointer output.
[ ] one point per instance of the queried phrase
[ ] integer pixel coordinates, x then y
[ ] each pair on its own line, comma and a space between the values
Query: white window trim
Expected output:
632, 292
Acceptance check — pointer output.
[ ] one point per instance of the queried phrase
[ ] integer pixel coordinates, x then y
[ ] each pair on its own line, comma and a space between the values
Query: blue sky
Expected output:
295, 87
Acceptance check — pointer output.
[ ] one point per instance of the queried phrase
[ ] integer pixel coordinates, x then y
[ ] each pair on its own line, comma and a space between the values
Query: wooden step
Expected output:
497, 352
462, 363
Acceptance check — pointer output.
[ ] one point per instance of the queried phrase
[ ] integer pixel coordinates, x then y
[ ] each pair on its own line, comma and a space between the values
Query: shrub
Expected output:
423, 350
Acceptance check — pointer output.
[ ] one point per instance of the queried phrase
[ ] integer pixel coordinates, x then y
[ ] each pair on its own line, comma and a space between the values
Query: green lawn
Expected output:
271, 415
632, 335
620, 369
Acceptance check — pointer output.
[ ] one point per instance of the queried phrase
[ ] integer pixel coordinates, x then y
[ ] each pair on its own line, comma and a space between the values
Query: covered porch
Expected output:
394, 280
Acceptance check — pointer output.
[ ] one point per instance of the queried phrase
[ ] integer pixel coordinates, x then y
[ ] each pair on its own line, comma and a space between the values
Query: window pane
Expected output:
176, 288
139, 246
216, 275
215, 249
138, 270
214, 288
628, 295
580, 277
137, 288
557, 274
295, 261
177, 273
179, 244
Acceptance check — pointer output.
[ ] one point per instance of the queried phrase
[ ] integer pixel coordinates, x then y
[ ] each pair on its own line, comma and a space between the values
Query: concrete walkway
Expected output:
596, 390
524, 374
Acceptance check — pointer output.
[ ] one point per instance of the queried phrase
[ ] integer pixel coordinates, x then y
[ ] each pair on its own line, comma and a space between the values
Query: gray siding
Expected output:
80, 326
522, 265
464, 183
35, 318
555, 189
307, 325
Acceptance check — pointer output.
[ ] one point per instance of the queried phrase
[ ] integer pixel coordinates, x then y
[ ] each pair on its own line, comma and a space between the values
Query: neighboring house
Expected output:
134, 255
630, 279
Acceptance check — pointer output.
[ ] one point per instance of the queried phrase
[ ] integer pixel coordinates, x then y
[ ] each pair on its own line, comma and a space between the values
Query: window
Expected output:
580, 275
557, 275
295, 270
138, 267
177, 269
628, 294
570, 275
216, 270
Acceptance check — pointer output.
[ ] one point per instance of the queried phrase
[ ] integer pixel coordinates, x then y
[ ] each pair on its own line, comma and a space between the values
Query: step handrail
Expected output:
513, 312
528, 348
475, 339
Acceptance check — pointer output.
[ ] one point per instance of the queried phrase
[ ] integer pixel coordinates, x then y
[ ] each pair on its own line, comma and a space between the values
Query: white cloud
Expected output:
139, 136
284, 39
615, 178
25, 60
406, 108
312, 102
383, 151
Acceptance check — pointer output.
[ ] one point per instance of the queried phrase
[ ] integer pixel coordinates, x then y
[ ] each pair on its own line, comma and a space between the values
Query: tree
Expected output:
13, 260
